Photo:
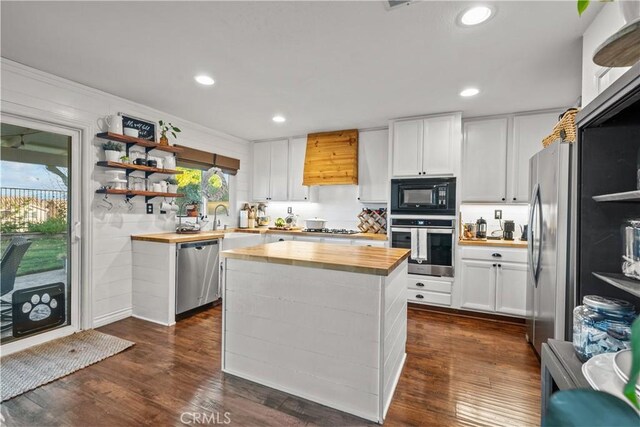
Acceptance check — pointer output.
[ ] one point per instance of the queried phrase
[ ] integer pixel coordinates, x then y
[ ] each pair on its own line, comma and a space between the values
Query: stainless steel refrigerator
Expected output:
549, 297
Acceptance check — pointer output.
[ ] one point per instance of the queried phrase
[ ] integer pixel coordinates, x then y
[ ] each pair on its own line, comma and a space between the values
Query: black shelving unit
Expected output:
606, 174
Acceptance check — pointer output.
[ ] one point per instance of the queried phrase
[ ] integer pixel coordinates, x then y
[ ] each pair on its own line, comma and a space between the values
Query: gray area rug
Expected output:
41, 364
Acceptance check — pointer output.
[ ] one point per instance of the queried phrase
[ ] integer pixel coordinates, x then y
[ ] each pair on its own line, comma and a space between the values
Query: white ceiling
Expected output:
323, 65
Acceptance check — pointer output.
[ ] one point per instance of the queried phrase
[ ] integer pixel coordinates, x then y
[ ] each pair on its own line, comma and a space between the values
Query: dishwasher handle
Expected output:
197, 245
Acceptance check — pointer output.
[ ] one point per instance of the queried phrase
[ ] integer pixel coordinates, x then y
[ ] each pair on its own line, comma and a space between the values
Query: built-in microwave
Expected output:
423, 196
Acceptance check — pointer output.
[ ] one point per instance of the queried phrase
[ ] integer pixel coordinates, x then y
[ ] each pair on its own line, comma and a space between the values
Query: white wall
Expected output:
517, 213
39, 95
594, 77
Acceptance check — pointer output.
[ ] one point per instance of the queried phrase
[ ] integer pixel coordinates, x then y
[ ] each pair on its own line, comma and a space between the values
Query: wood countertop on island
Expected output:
356, 259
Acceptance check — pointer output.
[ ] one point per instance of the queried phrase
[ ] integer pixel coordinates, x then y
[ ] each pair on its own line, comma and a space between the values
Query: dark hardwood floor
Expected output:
459, 371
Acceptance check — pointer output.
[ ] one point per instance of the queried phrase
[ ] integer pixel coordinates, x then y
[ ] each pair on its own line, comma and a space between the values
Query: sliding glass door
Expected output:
38, 218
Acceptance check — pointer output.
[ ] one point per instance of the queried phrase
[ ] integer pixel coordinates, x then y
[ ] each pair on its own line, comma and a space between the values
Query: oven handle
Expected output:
429, 230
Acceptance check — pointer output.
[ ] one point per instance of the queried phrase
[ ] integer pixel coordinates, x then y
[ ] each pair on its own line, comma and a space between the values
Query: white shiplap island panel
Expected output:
334, 337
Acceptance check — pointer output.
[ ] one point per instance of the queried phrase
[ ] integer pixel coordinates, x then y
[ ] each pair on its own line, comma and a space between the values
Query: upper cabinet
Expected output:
425, 147
496, 153
297, 150
270, 170
373, 171
484, 159
595, 78
528, 133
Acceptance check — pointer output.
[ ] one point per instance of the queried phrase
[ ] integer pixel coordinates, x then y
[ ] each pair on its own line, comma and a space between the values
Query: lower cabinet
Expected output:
493, 285
429, 290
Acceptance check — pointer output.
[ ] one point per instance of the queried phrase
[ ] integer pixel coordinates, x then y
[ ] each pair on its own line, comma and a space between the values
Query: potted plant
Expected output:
172, 184
125, 159
164, 128
112, 151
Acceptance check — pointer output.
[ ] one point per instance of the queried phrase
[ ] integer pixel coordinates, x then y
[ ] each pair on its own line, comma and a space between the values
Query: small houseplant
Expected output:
125, 159
172, 184
164, 128
112, 151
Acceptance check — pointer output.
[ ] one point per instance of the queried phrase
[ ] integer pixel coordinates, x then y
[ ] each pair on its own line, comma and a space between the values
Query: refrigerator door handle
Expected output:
534, 260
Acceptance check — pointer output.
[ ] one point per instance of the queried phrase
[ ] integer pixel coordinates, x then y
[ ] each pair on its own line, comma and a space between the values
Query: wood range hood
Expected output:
331, 158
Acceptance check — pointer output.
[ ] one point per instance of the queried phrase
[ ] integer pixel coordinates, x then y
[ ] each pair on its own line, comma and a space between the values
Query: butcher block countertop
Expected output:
299, 232
356, 259
179, 237
517, 243
208, 235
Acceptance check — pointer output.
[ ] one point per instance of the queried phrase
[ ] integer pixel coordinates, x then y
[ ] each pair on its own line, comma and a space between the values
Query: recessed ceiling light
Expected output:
278, 119
475, 15
204, 80
472, 91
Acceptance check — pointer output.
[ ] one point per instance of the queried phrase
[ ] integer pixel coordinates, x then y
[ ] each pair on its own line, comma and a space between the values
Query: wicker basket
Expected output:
565, 129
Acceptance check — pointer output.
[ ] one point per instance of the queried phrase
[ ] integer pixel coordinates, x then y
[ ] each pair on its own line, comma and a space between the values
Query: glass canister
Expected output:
601, 325
631, 249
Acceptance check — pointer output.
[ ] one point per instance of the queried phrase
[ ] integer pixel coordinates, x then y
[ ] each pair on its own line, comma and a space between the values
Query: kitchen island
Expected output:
321, 321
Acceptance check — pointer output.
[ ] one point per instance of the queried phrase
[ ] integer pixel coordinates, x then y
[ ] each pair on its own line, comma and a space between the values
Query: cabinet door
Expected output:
407, 148
373, 166
528, 132
261, 171
279, 170
511, 289
438, 146
297, 150
484, 161
478, 285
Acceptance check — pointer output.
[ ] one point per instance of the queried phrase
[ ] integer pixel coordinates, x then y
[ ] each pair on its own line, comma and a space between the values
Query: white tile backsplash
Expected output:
517, 213
338, 204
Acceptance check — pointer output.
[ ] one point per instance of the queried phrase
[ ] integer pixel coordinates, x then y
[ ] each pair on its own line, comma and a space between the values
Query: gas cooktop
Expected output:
330, 230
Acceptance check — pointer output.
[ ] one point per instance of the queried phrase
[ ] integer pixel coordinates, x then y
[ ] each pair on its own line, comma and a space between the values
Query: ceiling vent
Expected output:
395, 4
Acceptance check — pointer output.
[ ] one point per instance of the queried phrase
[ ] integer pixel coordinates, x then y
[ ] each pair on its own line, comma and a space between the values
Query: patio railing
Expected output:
20, 207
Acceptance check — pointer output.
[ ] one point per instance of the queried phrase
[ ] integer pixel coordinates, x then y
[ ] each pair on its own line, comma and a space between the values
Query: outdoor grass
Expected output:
44, 254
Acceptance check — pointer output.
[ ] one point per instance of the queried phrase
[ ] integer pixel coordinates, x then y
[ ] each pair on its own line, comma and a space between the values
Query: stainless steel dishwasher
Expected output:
197, 272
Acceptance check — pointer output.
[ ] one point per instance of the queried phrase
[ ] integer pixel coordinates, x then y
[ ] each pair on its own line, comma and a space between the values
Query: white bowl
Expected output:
131, 132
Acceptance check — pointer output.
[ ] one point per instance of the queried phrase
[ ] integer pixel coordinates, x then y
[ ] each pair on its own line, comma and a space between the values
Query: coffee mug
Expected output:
157, 188
164, 186
165, 206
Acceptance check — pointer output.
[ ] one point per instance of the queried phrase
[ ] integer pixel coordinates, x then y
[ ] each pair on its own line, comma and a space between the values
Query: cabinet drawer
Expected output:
495, 254
373, 243
427, 284
428, 297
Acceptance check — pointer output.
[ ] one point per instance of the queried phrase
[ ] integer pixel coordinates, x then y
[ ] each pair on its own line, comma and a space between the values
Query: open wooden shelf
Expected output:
620, 281
148, 195
627, 196
132, 167
149, 145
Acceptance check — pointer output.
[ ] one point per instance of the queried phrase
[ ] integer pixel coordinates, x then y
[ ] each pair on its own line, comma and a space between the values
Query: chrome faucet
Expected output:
215, 215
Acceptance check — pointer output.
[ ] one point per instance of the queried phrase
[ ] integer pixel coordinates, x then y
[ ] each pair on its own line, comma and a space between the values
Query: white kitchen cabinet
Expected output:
270, 170
438, 149
511, 289
528, 132
407, 148
496, 153
427, 146
373, 170
297, 151
261, 176
484, 157
478, 290
493, 280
